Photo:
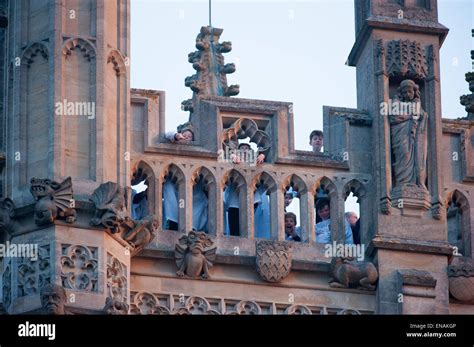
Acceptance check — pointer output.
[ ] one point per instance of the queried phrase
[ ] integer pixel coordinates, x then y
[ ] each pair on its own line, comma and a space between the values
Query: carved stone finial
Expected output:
211, 72
349, 273
273, 260
53, 299
468, 100
53, 200
195, 254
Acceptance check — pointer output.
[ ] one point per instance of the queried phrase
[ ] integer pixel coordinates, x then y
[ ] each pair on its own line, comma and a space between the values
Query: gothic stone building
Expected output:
67, 176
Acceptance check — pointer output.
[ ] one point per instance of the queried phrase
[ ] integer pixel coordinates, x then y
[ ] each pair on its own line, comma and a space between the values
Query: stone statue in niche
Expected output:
53, 299
408, 129
350, 273
53, 200
7, 224
195, 254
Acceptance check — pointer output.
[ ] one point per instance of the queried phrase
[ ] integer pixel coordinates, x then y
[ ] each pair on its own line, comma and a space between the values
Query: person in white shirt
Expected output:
323, 230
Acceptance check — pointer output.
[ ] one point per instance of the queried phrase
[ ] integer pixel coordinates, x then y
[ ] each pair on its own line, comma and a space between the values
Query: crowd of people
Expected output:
232, 223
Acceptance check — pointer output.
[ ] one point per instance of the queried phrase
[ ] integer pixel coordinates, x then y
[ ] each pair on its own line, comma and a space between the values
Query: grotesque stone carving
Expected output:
115, 307
79, 268
53, 299
408, 129
110, 204
111, 213
461, 279
273, 260
195, 254
7, 223
349, 273
53, 200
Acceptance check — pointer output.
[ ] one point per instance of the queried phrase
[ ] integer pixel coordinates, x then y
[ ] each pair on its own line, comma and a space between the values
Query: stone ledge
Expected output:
407, 245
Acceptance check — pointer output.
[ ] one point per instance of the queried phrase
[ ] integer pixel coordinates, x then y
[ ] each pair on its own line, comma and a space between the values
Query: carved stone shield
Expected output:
273, 260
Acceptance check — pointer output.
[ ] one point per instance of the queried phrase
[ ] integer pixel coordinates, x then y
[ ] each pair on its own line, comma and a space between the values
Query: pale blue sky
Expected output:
291, 51
284, 50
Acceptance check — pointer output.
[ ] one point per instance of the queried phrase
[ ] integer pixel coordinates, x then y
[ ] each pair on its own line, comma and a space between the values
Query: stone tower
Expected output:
397, 41
66, 111
68, 100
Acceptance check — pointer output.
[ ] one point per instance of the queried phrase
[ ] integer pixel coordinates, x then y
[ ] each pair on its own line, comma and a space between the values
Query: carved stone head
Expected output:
198, 242
43, 187
408, 90
53, 299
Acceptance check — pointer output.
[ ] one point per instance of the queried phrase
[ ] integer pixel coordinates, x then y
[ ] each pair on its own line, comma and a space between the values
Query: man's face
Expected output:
289, 225
316, 143
288, 199
352, 219
188, 135
408, 92
325, 213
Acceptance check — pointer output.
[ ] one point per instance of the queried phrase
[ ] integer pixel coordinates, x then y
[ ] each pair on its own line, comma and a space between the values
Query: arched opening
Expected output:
204, 195
265, 210
143, 191
173, 198
297, 219
235, 196
355, 208
458, 220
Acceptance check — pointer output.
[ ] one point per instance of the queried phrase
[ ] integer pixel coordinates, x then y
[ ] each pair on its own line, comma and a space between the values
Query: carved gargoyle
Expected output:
141, 233
111, 213
7, 223
115, 307
110, 204
195, 254
349, 273
53, 200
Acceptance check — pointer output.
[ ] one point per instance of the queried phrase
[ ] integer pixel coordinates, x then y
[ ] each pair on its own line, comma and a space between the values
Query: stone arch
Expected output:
235, 180
147, 174
266, 219
33, 50
295, 182
176, 176
459, 221
210, 187
86, 47
326, 184
118, 62
306, 205
358, 189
